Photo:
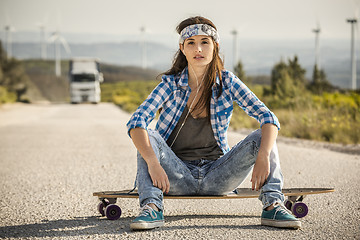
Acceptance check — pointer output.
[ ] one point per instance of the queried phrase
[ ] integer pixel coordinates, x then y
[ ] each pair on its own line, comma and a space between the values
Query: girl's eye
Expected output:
190, 43
205, 42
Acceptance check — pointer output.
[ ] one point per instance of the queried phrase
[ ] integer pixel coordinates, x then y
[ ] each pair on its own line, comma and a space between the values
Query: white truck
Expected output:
85, 78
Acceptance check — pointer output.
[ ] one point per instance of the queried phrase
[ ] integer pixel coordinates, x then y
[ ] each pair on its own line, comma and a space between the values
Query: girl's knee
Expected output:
255, 136
158, 144
154, 135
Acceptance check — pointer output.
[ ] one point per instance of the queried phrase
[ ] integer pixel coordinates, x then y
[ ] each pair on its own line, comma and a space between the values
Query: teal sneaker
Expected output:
280, 217
147, 219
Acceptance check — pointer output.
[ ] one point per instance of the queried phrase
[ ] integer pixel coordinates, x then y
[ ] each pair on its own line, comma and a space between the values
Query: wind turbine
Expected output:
8, 31
353, 22
235, 46
143, 30
42, 27
57, 39
317, 31
42, 41
8, 35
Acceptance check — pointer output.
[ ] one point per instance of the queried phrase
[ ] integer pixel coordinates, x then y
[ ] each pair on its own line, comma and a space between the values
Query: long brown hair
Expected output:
213, 70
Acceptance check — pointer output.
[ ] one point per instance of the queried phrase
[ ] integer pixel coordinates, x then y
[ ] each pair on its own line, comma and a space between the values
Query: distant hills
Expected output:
258, 56
43, 85
125, 54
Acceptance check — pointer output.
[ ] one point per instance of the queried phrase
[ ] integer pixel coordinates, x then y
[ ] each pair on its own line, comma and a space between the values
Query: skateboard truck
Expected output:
296, 206
108, 208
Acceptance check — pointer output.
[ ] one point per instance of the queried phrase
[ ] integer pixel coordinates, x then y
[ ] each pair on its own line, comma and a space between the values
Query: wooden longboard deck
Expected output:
242, 193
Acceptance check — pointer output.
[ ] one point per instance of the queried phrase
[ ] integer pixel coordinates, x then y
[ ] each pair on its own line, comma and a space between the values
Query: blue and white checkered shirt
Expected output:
173, 92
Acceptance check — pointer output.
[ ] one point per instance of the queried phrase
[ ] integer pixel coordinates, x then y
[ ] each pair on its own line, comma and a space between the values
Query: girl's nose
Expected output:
198, 48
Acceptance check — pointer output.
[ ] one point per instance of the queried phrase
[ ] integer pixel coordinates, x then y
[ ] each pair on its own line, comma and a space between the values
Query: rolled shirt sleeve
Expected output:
146, 112
249, 102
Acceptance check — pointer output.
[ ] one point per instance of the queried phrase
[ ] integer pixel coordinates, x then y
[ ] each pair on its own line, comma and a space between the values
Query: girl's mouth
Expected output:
198, 57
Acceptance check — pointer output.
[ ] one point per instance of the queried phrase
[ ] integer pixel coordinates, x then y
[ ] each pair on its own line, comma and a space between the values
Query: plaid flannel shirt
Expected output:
173, 92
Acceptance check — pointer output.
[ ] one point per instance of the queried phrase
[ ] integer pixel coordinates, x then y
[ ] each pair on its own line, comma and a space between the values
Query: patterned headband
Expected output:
199, 29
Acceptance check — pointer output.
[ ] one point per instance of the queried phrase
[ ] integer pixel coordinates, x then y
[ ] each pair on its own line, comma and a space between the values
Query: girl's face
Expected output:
198, 50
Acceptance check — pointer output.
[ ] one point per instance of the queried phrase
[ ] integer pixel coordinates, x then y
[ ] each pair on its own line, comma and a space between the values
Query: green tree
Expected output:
288, 85
276, 77
297, 73
288, 80
319, 83
240, 72
12, 75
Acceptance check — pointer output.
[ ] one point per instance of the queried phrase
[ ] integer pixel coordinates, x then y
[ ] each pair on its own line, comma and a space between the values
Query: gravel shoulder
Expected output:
54, 156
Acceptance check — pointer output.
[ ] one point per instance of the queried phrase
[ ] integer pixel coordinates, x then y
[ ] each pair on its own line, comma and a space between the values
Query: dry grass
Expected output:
330, 117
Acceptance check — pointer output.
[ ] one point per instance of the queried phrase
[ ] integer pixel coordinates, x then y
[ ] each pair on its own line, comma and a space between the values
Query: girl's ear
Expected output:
181, 46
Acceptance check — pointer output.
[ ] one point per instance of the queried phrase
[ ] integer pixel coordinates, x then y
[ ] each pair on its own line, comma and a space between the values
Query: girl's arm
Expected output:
250, 103
261, 169
270, 125
137, 125
146, 112
158, 175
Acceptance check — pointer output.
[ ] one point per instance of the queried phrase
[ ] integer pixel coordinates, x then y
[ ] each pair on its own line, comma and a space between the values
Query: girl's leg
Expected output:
229, 171
271, 191
180, 178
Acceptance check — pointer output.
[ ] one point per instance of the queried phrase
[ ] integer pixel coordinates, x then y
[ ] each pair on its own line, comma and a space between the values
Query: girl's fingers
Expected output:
167, 186
258, 182
162, 185
253, 180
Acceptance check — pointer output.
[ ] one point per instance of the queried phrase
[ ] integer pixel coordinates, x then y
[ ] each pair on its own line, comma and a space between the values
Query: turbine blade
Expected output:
53, 37
65, 44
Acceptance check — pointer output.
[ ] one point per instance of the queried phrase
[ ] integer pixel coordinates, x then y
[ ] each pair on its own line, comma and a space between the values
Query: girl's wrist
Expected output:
153, 163
263, 154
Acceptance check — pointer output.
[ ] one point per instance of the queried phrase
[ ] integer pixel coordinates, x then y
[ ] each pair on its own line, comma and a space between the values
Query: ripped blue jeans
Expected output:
207, 177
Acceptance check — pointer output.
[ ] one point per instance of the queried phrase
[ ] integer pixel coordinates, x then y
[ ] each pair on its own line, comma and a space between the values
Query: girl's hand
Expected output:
159, 177
261, 171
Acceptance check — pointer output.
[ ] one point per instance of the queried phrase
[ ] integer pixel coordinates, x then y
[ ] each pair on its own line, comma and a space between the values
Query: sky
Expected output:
260, 19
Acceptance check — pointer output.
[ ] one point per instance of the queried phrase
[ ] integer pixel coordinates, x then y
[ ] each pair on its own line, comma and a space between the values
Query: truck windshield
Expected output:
83, 78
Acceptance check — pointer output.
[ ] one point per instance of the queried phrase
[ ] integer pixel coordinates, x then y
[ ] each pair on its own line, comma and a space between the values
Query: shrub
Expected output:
6, 97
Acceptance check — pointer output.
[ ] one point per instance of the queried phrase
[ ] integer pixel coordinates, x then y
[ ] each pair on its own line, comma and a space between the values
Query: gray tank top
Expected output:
195, 140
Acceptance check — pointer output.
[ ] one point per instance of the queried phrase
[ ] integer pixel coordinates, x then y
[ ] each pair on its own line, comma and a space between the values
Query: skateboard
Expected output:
294, 202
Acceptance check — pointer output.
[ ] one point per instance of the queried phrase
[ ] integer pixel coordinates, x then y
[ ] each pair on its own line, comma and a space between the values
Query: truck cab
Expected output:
85, 78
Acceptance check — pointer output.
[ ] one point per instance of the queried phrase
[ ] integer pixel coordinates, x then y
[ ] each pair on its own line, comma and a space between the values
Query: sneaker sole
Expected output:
281, 224
146, 225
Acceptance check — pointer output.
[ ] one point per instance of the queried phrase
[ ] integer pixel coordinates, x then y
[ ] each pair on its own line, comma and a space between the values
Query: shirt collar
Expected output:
217, 81
184, 78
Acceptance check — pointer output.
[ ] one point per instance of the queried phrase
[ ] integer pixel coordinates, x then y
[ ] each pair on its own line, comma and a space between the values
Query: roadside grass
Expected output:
320, 125
6, 96
128, 94
331, 117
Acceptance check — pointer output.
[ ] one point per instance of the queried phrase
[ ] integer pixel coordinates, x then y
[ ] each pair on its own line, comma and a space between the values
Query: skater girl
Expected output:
188, 153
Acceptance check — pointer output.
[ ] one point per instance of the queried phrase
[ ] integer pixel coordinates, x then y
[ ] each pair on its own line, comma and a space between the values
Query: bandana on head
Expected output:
199, 29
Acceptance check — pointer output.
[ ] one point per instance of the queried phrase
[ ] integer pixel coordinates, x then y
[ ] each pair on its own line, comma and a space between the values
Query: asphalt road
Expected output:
53, 157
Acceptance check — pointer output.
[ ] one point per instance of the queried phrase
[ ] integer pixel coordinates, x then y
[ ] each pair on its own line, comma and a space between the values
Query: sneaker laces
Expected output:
147, 210
282, 209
